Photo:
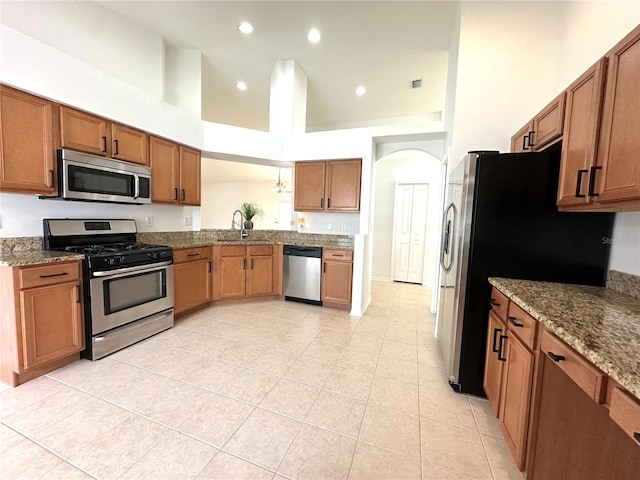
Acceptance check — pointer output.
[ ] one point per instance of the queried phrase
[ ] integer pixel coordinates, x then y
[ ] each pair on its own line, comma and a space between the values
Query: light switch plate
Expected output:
188, 221
344, 226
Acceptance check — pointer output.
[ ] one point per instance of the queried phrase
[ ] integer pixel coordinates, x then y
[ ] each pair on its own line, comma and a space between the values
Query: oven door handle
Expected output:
142, 268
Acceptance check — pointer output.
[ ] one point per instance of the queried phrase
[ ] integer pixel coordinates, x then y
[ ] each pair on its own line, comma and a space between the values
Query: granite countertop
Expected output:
35, 257
601, 324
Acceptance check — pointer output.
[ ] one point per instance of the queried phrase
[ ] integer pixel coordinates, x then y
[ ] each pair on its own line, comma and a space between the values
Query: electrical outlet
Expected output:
149, 220
329, 226
344, 226
188, 221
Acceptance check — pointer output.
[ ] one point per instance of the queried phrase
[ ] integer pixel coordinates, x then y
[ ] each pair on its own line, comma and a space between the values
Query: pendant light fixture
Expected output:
279, 187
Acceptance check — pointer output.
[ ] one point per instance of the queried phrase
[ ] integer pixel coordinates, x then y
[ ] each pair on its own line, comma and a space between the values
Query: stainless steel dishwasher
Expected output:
302, 273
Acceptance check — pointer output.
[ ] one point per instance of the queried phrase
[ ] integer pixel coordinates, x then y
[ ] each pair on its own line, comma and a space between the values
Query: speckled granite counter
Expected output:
601, 324
21, 251
34, 257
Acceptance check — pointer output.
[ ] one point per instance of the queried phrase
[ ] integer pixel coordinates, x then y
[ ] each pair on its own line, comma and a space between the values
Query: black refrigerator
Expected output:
501, 220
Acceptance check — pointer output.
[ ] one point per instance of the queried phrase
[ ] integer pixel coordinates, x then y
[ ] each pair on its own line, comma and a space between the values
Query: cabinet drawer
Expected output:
48, 274
499, 303
625, 411
590, 379
232, 250
189, 254
335, 254
522, 325
255, 250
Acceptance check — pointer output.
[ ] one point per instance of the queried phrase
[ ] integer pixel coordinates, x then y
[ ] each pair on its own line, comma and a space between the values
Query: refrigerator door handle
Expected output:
448, 244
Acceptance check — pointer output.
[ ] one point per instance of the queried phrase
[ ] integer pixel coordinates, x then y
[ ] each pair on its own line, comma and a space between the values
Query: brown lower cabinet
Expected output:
247, 271
337, 276
192, 278
561, 417
41, 319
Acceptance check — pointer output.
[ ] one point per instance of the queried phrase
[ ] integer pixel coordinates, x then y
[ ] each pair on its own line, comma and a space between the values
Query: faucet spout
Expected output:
235, 223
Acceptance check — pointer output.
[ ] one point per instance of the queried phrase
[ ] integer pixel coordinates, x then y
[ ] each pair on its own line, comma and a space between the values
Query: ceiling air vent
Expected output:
416, 83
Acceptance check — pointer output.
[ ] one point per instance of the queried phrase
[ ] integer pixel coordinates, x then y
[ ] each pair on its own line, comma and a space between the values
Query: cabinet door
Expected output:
308, 195
192, 284
129, 144
619, 140
494, 361
232, 277
548, 124
515, 397
51, 323
163, 159
343, 185
260, 276
520, 140
189, 176
84, 132
580, 138
27, 151
336, 282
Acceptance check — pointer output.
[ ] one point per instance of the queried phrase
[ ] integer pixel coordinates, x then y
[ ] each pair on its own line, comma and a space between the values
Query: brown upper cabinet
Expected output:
27, 143
600, 165
327, 186
580, 139
175, 172
543, 130
96, 135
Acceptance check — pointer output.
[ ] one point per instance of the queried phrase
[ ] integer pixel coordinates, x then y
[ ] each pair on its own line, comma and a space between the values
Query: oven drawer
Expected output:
49, 274
119, 338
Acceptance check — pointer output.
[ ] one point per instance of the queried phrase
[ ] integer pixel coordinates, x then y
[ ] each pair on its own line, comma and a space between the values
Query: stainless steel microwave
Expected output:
98, 179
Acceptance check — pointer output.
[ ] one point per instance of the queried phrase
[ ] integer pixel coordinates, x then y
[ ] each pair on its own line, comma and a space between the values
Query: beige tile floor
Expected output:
267, 390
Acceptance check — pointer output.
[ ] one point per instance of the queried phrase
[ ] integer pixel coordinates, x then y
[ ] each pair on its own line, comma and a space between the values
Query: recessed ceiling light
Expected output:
314, 35
241, 86
245, 27
361, 91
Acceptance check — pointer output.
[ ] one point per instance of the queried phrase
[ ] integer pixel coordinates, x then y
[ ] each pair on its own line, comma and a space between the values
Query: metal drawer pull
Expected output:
495, 339
54, 275
494, 303
524, 142
514, 322
104, 144
555, 358
579, 184
116, 144
636, 435
336, 255
193, 254
592, 181
500, 345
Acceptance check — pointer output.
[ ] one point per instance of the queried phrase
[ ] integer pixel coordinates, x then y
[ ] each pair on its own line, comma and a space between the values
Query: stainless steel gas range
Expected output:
128, 286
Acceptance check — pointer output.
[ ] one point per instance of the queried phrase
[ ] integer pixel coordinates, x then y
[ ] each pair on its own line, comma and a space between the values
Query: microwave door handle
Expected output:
136, 186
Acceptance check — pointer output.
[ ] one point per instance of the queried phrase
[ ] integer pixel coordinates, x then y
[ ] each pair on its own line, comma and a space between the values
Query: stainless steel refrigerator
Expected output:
500, 220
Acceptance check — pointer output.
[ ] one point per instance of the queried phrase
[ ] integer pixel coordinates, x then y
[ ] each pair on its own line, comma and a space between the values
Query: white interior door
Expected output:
409, 236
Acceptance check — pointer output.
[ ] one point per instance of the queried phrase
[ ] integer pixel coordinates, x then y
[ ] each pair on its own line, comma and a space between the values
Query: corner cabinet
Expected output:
175, 173
41, 319
247, 271
337, 277
192, 278
27, 143
327, 186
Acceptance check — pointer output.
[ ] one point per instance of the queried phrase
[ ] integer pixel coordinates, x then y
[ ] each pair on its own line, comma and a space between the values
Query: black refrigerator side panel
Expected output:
519, 233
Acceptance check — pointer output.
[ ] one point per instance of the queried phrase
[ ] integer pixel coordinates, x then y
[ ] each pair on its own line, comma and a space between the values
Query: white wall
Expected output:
220, 200
514, 58
183, 79
94, 35
409, 166
21, 215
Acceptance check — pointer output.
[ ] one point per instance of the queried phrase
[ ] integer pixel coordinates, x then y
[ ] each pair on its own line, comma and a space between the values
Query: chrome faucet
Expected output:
234, 224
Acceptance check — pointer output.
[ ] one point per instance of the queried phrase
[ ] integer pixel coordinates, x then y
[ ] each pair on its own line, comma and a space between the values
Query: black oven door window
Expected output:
130, 291
92, 180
